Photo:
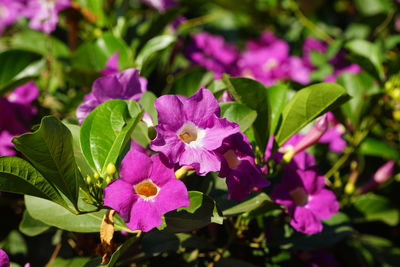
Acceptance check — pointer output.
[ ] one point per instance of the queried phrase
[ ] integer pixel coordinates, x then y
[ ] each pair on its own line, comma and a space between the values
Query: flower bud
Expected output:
88, 179
108, 179
147, 119
111, 170
96, 175
381, 175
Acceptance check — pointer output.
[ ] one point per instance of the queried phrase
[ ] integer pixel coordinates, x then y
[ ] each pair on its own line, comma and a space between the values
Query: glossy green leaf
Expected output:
202, 211
31, 227
94, 54
277, 99
141, 134
147, 102
247, 205
367, 55
188, 82
239, 113
52, 214
371, 207
40, 43
50, 150
254, 95
379, 148
106, 131
18, 176
306, 105
150, 49
17, 66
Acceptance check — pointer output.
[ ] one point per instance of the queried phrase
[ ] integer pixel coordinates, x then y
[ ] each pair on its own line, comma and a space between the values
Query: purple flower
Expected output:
9, 13
238, 166
111, 65
4, 260
44, 13
380, 176
267, 60
125, 85
333, 136
146, 190
189, 130
161, 5
213, 53
17, 114
309, 45
307, 202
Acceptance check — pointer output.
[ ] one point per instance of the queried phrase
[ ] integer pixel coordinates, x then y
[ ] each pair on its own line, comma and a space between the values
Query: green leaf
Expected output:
188, 82
50, 150
372, 207
97, 8
367, 55
150, 49
202, 211
276, 99
14, 244
373, 7
106, 131
31, 227
335, 229
40, 43
247, 205
359, 87
254, 95
120, 251
18, 176
94, 54
306, 105
379, 148
239, 113
52, 214
17, 67
61, 262
147, 102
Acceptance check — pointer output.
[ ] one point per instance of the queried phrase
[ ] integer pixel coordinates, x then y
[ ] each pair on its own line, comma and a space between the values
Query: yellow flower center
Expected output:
147, 189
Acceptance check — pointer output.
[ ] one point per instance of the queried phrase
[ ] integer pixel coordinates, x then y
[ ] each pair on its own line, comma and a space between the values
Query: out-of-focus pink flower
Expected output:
333, 136
10, 11
17, 113
4, 260
267, 60
213, 53
111, 65
161, 5
44, 13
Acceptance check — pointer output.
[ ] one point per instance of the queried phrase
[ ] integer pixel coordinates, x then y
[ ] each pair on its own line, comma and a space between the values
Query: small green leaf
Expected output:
373, 7
247, 205
106, 131
32, 227
52, 214
202, 211
306, 105
367, 55
254, 95
372, 207
50, 150
277, 100
239, 113
188, 82
379, 148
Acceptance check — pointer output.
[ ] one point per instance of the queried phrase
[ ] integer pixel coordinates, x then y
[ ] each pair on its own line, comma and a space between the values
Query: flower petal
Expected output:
200, 106
135, 167
323, 204
305, 221
144, 216
170, 112
119, 195
204, 161
173, 195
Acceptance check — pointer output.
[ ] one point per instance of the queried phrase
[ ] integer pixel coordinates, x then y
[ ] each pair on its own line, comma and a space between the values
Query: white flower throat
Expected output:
191, 135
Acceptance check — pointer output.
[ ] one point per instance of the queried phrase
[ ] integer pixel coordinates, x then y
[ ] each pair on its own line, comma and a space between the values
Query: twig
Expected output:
54, 255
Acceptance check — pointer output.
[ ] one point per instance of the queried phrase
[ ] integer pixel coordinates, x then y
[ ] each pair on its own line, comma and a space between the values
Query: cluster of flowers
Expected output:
266, 59
43, 14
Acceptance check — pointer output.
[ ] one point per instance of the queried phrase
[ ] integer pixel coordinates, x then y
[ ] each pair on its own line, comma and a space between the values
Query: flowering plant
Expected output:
199, 133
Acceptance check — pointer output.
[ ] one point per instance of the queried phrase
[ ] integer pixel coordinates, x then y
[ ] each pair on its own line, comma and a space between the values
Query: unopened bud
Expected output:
349, 188
147, 119
381, 175
180, 173
108, 179
396, 115
395, 94
96, 175
111, 170
287, 157
152, 133
88, 179
313, 135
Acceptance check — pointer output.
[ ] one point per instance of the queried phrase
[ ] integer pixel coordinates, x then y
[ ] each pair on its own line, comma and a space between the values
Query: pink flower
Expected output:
44, 13
146, 190
239, 168
380, 176
303, 194
9, 13
4, 260
189, 130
